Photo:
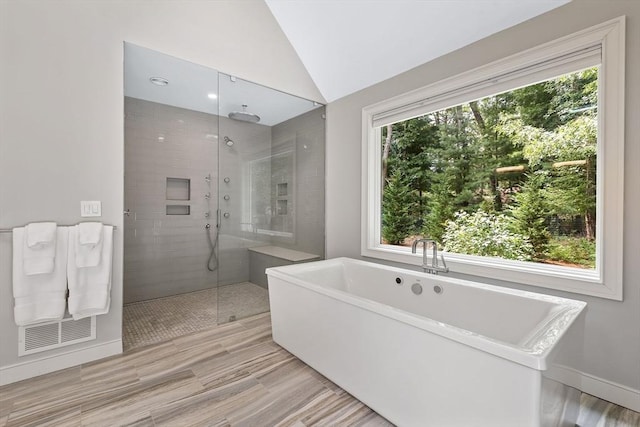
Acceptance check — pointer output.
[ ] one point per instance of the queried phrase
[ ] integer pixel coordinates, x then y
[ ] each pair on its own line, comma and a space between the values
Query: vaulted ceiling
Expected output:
349, 45
345, 45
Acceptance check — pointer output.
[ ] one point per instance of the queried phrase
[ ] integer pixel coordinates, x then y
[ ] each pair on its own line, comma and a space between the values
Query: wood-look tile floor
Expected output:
230, 375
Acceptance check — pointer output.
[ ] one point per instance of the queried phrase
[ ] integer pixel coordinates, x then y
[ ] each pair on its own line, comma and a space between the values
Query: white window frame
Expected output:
607, 40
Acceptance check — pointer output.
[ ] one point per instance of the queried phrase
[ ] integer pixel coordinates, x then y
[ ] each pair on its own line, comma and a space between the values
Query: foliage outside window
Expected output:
512, 175
515, 167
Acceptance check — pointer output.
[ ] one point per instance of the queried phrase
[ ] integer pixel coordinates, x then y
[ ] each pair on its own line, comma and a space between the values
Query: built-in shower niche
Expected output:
178, 189
178, 210
281, 207
282, 195
270, 180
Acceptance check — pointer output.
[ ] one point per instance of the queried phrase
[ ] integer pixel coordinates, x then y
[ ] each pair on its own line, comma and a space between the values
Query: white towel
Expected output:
40, 233
89, 244
39, 248
38, 262
89, 233
90, 287
42, 297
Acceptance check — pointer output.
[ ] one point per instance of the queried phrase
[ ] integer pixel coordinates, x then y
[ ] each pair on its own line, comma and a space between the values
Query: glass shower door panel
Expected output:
241, 143
266, 136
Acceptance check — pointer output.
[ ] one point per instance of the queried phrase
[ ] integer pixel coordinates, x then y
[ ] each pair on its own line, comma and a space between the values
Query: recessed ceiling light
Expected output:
212, 96
159, 81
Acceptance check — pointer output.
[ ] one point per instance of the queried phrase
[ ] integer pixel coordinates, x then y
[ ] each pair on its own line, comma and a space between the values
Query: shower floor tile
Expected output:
241, 300
162, 319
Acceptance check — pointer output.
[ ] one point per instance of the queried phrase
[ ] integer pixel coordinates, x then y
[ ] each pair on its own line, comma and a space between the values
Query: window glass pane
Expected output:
512, 175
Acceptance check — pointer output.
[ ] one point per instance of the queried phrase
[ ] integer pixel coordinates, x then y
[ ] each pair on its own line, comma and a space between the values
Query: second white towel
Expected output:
39, 249
39, 297
89, 244
90, 287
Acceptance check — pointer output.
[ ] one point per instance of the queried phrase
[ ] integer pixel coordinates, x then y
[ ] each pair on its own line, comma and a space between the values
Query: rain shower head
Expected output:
244, 116
228, 141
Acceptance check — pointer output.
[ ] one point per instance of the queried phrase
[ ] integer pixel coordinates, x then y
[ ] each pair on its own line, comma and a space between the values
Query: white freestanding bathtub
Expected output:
457, 354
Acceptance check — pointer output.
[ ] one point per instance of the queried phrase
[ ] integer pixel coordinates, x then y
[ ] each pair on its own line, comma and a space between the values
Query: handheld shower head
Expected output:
228, 141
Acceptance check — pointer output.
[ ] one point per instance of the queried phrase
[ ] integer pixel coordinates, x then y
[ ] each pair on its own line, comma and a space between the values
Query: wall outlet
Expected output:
90, 208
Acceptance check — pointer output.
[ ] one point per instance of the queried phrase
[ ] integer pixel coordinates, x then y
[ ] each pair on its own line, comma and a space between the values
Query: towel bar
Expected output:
9, 230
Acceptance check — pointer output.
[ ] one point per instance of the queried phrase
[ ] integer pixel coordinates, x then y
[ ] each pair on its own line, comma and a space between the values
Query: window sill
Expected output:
584, 282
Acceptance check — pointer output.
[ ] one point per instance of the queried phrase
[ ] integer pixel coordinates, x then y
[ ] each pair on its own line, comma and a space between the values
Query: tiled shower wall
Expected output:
167, 254
304, 135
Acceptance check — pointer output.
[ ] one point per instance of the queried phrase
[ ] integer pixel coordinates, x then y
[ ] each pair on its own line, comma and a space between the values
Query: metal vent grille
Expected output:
40, 336
75, 330
47, 336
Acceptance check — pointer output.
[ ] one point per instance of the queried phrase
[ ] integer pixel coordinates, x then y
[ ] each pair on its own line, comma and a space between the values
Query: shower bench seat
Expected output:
263, 257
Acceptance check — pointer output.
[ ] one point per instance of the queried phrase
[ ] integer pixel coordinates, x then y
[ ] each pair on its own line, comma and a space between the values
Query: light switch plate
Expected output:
90, 208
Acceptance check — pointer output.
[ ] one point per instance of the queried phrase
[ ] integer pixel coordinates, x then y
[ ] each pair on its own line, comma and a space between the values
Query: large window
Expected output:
514, 168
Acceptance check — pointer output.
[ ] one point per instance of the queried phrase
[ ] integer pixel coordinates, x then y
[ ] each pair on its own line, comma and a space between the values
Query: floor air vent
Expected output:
47, 336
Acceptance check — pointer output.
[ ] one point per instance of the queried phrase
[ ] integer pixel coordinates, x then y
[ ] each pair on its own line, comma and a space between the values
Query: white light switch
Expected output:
90, 208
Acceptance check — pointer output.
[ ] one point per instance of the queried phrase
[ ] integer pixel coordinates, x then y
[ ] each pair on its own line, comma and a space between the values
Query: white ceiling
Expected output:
349, 45
190, 84
345, 46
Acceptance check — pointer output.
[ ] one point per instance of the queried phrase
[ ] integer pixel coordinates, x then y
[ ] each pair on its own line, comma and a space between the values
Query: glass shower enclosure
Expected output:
223, 177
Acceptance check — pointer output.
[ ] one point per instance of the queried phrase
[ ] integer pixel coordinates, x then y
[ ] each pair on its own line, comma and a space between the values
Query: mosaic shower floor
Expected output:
162, 319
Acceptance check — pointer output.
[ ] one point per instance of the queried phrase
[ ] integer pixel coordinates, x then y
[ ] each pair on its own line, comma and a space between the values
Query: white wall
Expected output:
612, 342
61, 110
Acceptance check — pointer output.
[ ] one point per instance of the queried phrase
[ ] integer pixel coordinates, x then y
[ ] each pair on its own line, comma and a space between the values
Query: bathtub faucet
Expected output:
434, 267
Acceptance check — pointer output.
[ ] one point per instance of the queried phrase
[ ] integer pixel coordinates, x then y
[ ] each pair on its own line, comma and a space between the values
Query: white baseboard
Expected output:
33, 368
613, 392
604, 389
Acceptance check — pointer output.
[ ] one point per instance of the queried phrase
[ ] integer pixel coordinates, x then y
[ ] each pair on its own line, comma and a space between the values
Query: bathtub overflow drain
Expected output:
416, 288
437, 289
399, 280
